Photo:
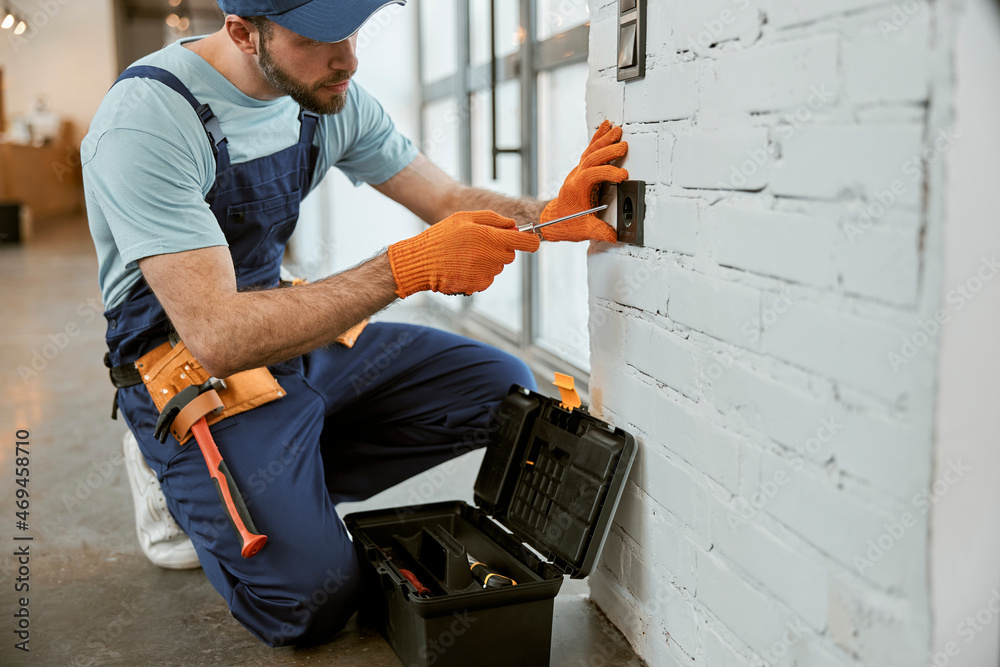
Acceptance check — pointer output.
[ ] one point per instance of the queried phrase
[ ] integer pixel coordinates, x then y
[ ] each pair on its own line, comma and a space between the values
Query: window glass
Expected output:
508, 35
562, 308
441, 124
438, 39
441, 146
556, 16
502, 301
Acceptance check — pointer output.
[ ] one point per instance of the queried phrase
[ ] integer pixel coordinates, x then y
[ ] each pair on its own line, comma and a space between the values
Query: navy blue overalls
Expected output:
354, 421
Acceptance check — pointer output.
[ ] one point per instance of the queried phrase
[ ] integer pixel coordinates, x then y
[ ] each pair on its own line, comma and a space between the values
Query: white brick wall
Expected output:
777, 513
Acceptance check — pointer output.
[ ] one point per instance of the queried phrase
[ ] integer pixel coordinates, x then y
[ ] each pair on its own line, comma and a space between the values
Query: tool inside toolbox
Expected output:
437, 553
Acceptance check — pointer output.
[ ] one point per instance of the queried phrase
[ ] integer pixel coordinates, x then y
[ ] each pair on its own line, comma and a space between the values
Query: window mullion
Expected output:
529, 162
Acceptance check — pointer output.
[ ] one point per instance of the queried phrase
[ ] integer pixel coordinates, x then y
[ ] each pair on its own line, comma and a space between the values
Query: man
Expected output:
194, 167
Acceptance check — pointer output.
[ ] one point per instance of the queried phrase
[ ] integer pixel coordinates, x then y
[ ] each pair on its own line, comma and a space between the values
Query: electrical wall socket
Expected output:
631, 202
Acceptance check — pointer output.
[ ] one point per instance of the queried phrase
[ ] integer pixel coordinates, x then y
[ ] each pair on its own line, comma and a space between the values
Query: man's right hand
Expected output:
461, 254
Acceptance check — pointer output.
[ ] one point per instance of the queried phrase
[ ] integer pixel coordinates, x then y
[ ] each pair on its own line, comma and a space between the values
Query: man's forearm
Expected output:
522, 209
256, 328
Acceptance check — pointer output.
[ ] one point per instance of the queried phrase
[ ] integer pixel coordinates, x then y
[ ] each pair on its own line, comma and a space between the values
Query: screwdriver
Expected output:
531, 227
487, 576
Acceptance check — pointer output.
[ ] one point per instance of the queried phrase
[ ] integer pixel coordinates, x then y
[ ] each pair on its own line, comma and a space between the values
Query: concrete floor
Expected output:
94, 599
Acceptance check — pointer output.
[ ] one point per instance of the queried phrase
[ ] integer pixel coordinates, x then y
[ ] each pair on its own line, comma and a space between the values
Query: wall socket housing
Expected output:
631, 198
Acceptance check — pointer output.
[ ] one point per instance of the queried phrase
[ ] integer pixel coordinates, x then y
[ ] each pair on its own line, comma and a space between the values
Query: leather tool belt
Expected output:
170, 368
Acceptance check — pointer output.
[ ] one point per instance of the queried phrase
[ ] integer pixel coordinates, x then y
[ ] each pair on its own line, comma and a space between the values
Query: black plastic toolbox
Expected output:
545, 496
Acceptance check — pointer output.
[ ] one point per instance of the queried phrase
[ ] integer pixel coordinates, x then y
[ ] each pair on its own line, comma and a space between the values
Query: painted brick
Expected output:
839, 345
882, 452
749, 470
869, 447
644, 521
668, 92
887, 59
718, 653
668, 484
610, 597
671, 223
692, 437
629, 395
604, 39
700, 25
877, 629
882, 264
643, 158
715, 307
796, 265
748, 612
786, 415
627, 280
785, 13
750, 238
827, 162
605, 99
661, 600
664, 356
845, 527
786, 75
796, 579
729, 159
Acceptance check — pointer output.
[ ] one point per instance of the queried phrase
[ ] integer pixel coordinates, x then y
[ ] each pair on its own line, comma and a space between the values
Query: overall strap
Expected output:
216, 137
307, 129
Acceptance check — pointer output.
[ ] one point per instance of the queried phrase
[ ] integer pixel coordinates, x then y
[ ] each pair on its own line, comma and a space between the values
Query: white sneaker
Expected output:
162, 540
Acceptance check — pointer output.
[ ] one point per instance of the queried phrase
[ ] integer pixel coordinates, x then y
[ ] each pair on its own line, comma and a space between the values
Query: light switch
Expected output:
631, 39
626, 46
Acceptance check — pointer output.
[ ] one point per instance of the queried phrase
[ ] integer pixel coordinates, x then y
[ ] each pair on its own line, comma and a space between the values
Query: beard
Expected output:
307, 97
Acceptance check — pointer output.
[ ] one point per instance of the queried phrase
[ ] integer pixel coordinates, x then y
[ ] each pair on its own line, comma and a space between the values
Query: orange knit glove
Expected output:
580, 190
461, 254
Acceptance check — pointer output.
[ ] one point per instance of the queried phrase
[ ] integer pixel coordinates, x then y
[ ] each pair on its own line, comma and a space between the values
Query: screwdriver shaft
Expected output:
534, 228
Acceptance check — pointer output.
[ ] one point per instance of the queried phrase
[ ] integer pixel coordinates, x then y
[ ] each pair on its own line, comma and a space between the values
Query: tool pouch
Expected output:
166, 370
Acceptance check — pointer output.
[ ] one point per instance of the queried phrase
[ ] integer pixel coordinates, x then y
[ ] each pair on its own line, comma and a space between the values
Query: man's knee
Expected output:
512, 370
308, 605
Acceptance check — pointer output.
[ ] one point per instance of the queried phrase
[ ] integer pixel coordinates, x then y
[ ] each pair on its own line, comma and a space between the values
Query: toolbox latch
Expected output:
567, 391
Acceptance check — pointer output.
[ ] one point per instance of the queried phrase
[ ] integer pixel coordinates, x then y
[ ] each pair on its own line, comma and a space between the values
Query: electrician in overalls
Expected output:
194, 168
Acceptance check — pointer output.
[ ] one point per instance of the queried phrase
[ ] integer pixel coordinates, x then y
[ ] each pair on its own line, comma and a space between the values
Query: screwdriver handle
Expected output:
412, 578
229, 493
489, 577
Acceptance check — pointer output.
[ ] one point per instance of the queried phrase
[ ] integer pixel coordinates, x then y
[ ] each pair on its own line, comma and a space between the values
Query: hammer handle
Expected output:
229, 493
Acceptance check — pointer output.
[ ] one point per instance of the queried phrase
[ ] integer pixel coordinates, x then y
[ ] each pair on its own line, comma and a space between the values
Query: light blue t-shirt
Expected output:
148, 165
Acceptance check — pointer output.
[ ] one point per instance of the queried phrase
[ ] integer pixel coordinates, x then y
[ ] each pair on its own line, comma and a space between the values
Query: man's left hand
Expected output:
580, 190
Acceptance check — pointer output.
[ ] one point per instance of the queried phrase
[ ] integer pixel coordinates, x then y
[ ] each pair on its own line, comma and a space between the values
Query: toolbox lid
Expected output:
554, 476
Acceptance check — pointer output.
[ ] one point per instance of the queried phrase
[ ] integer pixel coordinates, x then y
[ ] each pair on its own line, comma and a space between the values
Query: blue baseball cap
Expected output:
322, 20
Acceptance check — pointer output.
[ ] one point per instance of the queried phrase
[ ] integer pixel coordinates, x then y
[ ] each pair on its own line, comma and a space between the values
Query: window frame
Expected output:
533, 57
